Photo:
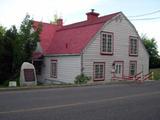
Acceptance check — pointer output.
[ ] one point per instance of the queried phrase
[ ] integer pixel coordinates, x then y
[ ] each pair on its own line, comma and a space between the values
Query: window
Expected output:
54, 68
106, 43
133, 68
133, 46
99, 68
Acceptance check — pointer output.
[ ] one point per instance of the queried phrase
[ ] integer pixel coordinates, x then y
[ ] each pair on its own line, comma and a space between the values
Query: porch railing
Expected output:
139, 77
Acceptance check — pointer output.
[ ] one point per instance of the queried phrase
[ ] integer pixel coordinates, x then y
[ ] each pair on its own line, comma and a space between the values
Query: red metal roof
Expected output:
70, 39
47, 34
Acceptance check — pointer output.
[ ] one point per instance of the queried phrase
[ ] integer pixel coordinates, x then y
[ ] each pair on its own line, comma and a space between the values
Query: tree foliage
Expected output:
6, 54
152, 48
2, 49
2, 30
26, 39
2, 33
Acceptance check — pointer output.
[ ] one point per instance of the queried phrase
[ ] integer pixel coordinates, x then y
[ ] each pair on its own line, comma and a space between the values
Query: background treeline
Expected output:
152, 48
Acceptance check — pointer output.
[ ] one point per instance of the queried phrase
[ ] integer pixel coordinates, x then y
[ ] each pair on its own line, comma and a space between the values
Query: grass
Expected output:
156, 73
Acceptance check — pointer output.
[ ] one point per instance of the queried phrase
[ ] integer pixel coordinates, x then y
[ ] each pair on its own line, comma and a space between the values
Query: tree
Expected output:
151, 46
55, 18
6, 54
26, 42
16, 48
2, 33
26, 38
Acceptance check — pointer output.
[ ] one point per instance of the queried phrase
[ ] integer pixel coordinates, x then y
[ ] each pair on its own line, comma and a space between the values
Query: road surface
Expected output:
101, 102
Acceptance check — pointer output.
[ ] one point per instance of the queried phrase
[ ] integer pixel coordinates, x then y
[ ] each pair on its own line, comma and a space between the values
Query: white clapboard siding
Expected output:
121, 29
68, 67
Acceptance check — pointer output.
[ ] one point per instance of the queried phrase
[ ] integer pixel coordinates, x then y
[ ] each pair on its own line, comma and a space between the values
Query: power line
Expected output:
141, 15
146, 18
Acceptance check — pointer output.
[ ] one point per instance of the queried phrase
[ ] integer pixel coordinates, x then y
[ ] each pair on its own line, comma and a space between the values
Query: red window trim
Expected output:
94, 79
106, 53
54, 61
129, 50
132, 61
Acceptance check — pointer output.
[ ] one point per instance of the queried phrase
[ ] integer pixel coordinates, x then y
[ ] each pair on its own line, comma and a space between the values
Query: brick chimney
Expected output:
92, 15
60, 22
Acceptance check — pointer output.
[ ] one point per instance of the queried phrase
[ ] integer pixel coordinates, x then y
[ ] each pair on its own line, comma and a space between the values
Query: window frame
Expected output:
107, 46
94, 72
52, 74
130, 46
131, 62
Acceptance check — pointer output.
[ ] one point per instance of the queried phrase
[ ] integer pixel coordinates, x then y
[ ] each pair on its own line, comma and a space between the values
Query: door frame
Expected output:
122, 62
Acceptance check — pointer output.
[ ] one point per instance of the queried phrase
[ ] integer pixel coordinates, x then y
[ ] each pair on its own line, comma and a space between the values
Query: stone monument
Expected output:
28, 75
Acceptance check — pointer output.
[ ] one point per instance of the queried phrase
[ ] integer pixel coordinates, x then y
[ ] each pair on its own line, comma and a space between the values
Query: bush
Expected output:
81, 79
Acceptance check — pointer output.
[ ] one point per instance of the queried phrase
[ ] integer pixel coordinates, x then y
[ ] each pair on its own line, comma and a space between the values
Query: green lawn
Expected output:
156, 73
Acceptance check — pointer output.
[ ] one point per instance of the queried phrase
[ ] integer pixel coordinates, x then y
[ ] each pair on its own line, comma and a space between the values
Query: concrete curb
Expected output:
67, 86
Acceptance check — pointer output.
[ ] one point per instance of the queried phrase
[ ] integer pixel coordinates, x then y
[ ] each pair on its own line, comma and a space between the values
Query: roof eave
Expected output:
55, 55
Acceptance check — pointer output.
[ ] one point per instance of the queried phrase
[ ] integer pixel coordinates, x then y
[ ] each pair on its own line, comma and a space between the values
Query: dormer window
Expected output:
133, 46
106, 43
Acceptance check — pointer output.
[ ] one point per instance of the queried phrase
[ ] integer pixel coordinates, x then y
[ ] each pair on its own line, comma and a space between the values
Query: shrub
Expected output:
82, 79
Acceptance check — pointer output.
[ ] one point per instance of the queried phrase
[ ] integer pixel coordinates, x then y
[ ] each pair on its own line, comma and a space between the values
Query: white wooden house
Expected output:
96, 47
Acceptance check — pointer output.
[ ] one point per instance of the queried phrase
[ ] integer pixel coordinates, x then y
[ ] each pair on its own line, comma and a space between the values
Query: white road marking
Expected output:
79, 103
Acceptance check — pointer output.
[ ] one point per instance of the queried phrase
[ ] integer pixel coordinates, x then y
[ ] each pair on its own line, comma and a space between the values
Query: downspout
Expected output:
82, 68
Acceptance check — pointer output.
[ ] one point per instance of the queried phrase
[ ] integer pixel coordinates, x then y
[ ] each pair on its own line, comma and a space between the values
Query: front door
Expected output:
118, 69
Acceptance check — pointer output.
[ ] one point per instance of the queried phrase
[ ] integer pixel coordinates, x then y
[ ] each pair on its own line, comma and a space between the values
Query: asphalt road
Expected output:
102, 102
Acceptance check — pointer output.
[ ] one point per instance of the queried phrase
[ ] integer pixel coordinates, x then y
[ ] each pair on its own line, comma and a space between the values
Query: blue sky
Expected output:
12, 12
